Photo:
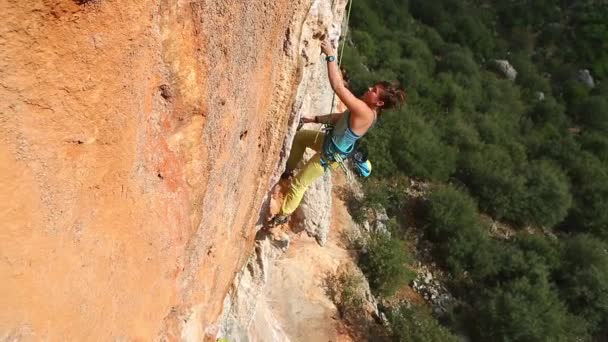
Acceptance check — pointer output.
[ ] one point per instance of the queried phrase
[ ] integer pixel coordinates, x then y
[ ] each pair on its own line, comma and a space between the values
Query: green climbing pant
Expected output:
309, 173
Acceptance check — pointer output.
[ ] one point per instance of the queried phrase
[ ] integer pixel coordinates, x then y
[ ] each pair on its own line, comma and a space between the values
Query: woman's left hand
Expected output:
327, 48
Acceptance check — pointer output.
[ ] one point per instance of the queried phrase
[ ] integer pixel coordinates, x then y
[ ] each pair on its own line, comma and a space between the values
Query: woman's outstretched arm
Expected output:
356, 106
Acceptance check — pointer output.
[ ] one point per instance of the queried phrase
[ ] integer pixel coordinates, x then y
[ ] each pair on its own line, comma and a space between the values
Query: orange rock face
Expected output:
137, 142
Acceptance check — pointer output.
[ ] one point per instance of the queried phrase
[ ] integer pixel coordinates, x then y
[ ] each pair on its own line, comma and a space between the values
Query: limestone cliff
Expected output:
139, 140
246, 316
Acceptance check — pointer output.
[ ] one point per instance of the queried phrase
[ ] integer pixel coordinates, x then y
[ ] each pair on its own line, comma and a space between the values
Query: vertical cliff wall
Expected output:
138, 140
246, 315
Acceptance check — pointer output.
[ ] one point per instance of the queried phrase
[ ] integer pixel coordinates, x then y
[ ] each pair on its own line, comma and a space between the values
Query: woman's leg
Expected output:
311, 171
302, 140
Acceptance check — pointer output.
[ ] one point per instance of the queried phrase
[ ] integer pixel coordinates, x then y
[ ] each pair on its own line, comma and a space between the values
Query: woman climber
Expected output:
349, 126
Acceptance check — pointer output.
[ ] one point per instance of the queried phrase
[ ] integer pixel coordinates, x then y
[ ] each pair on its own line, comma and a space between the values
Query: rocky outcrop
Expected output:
239, 308
432, 289
505, 68
585, 77
139, 141
540, 96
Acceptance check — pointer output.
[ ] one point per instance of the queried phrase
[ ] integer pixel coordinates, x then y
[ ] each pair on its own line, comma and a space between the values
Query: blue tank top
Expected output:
341, 139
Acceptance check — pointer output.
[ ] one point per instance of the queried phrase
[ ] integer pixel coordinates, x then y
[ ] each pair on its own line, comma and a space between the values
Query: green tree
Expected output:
493, 176
529, 256
385, 263
501, 96
548, 197
458, 60
548, 111
415, 324
454, 226
596, 143
416, 49
528, 75
590, 190
552, 142
583, 278
593, 113
417, 150
457, 131
524, 310
574, 93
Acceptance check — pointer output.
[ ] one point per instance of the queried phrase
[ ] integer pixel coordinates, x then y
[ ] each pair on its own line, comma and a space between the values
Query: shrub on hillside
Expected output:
593, 113
453, 224
415, 324
550, 142
458, 60
346, 289
417, 150
583, 278
548, 197
528, 256
500, 96
524, 309
548, 111
458, 132
589, 179
596, 143
385, 264
493, 176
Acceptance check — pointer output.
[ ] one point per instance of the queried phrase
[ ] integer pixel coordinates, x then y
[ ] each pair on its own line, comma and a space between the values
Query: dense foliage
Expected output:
385, 264
415, 324
531, 153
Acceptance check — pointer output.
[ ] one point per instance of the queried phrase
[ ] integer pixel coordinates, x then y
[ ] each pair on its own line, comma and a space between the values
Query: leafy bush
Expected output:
583, 278
493, 176
548, 197
524, 310
548, 111
501, 96
550, 142
346, 289
574, 93
379, 194
458, 60
415, 324
453, 224
528, 256
385, 264
596, 143
460, 133
590, 191
593, 113
528, 75
418, 151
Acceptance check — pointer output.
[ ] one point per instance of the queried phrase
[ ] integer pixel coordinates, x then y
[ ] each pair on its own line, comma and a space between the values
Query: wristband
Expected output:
316, 119
330, 58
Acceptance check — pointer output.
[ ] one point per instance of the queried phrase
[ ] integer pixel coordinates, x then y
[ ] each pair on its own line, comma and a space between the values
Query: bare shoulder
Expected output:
362, 111
361, 120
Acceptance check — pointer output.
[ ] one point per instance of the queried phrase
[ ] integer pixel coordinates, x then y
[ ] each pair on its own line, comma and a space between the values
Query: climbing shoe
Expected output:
278, 220
288, 174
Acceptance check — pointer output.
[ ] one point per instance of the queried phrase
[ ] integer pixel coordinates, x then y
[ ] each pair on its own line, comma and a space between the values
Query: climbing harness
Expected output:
339, 144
